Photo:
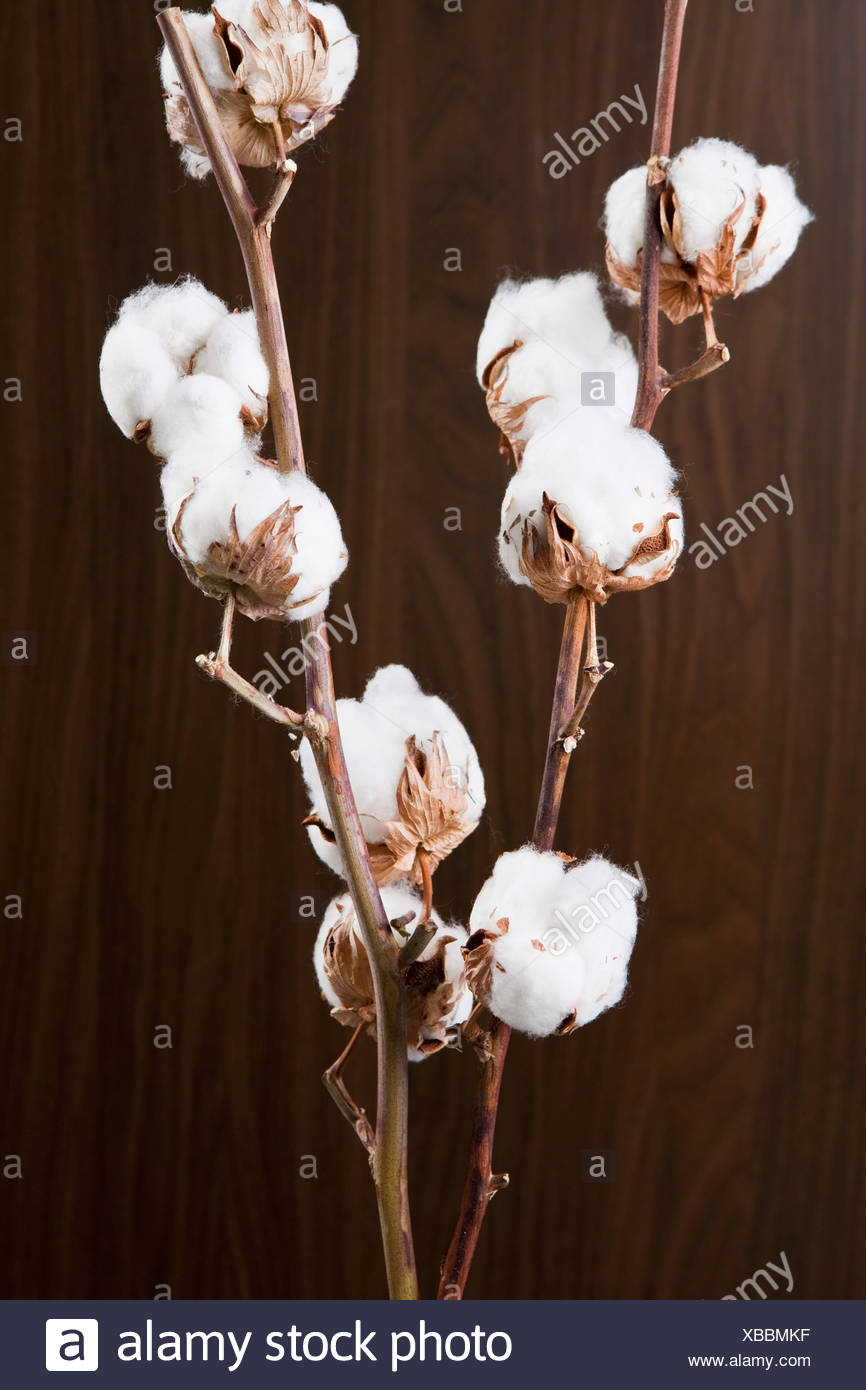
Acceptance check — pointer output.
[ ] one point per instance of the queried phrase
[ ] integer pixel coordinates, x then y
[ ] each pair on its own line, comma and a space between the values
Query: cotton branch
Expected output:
649, 392
567, 711
253, 227
218, 666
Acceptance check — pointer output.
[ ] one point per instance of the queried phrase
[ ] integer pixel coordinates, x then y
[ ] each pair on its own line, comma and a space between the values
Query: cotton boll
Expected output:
393, 694
343, 50
711, 179
545, 343
614, 483
511, 965
182, 316
209, 51
567, 315
437, 1000
375, 731
310, 558
539, 370
624, 208
783, 220
596, 909
201, 412
233, 352
135, 374
521, 888
550, 941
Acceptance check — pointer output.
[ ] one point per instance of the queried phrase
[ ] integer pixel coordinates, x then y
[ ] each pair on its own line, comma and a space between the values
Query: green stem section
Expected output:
253, 230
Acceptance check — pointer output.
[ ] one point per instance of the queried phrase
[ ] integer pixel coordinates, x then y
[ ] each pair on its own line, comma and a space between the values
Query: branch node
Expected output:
657, 169
498, 1182
316, 727
285, 176
713, 357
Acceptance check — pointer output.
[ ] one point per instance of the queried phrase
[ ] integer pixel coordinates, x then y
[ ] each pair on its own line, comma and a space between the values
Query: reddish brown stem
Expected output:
480, 1181
253, 229
649, 392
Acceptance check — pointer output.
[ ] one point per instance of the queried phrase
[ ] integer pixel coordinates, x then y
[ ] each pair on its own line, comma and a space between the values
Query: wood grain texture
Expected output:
145, 907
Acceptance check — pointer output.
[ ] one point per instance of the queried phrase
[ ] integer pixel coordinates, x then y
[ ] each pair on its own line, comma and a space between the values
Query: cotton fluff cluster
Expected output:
415, 774
283, 64
163, 334
437, 997
543, 341
593, 508
550, 940
181, 371
729, 224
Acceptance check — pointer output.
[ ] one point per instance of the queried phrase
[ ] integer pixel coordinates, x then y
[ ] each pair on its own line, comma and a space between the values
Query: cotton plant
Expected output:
592, 509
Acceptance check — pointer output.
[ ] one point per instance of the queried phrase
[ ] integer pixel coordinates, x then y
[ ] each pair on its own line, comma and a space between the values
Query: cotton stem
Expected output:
253, 229
477, 1188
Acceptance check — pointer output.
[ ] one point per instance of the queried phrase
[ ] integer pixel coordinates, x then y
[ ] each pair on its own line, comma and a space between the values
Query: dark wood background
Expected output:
145, 907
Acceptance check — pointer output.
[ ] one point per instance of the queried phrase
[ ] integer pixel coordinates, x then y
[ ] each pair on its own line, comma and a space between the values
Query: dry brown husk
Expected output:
557, 568
722, 271
259, 570
280, 97
509, 419
430, 996
432, 817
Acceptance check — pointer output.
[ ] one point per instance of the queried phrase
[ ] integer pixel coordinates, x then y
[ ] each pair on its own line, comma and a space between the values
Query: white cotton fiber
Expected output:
201, 413
567, 340
711, 179
595, 909
612, 482
209, 51
182, 316
343, 50
530, 988
233, 352
562, 935
624, 208
399, 902
374, 731
254, 491
135, 374
783, 220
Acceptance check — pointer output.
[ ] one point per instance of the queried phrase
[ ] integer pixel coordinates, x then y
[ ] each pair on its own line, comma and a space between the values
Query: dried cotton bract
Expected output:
437, 997
728, 225
278, 70
541, 341
550, 940
592, 510
415, 774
